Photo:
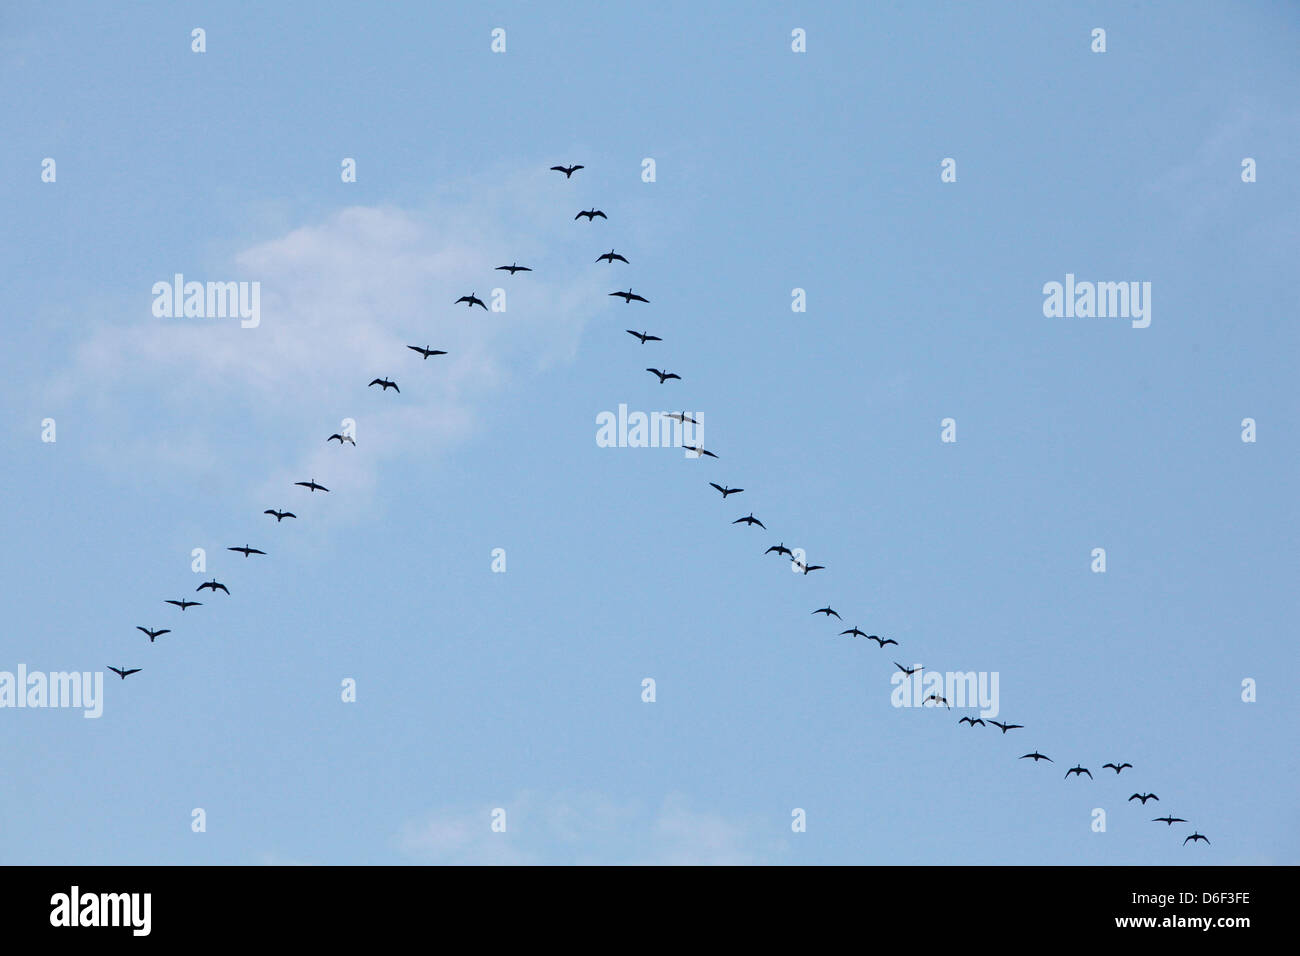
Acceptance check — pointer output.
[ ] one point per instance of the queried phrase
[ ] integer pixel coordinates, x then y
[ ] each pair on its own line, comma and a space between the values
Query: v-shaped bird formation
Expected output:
798, 562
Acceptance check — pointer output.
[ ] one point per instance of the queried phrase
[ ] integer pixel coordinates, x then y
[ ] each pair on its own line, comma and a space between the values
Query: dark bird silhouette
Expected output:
1144, 797
152, 634
213, 586
591, 215
938, 700
828, 611
183, 604
805, 568
1169, 820
1005, 727
644, 337
909, 671
1037, 757
470, 301
664, 376
778, 548
279, 515
1116, 767
681, 417
750, 520
341, 439
731, 491
312, 486
513, 268
1197, 836
610, 257
384, 385
972, 721
1078, 770
699, 451
567, 170
882, 641
426, 352
246, 550
853, 631
124, 673
629, 296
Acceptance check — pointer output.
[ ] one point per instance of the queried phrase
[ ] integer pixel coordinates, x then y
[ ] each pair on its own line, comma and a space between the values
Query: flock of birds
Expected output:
780, 549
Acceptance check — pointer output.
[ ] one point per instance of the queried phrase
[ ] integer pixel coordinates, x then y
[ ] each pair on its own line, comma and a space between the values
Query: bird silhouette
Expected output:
664, 376
246, 550
279, 515
610, 257
805, 568
935, 698
629, 296
567, 170
214, 585
681, 417
513, 268
341, 439
1197, 836
1144, 797
152, 634
1080, 771
183, 604
1169, 820
645, 337
1005, 727
1116, 767
312, 486
1037, 757
426, 352
853, 631
470, 301
828, 611
591, 215
124, 673
778, 548
882, 641
699, 450
750, 520
729, 491
972, 721
909, 671
384, 385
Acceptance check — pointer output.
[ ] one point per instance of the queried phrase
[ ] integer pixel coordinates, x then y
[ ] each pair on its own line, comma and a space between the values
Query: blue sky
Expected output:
522, 690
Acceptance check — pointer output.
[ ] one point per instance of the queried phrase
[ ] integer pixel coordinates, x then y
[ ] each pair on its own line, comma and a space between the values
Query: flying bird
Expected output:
279, 515
1144, 797
828, 611
629, 296
778, 548
1115, 767
246, 550
882, 641
938, 700
384, 385
853, 630
213, 586
1080, 771
1037, 757
470, 301
645, 337
750, 520
664, 376
426, 352
805, 568
732, 491
125, 673
341, 439
610, 257
682, 417
312, 485
1005, 727
567, 170
513, 268
972, 721
909, 671
1169, 820
700, 452
1196, 836
152, 634
183, 604
591, 215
